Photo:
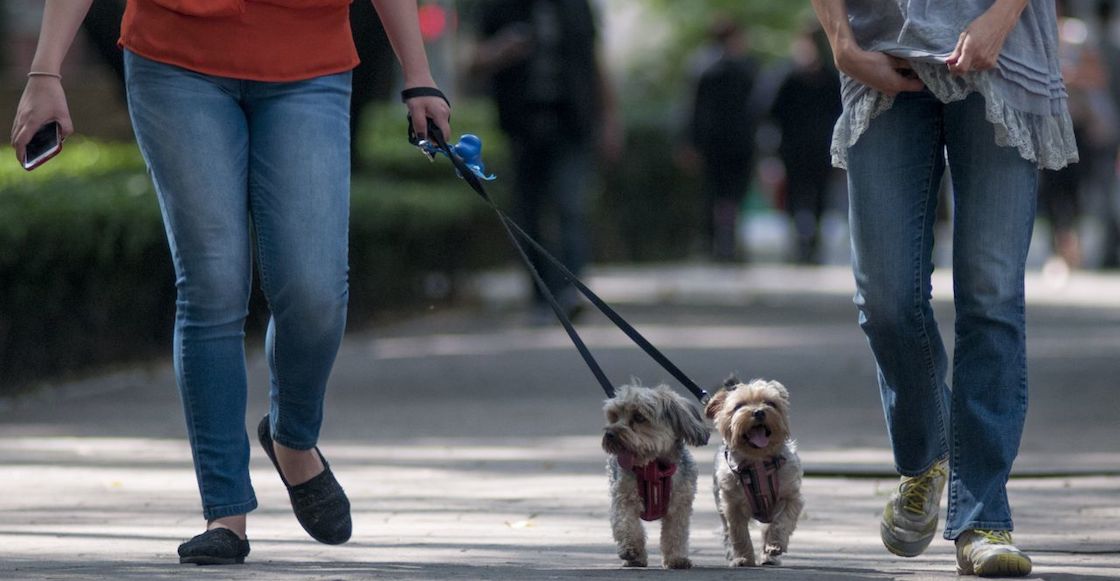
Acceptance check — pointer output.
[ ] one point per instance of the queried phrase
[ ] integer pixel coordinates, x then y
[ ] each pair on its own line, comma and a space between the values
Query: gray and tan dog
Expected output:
757, 472
652, 474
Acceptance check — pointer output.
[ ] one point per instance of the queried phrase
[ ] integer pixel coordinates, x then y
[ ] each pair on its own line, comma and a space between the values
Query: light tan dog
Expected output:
757, 471
652, 474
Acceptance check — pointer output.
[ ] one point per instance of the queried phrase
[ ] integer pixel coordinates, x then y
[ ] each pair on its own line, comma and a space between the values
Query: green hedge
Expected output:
86, 277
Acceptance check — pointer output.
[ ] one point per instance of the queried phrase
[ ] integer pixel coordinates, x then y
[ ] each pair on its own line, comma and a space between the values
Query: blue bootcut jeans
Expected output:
239, 165
894, 171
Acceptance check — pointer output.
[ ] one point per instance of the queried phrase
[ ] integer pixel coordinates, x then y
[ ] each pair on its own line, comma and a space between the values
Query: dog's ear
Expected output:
715, 403
781, 389
684, 418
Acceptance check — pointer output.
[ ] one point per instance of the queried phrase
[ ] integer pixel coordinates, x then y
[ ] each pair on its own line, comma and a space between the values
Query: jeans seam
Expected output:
1021, 362
181, 354
262, 267
189, 407
919, 295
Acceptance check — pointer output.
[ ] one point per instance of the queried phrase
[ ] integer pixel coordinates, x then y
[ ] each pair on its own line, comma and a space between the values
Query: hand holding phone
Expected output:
45, 144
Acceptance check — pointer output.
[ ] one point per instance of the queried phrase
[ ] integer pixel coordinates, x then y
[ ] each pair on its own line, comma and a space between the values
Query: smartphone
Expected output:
45, 144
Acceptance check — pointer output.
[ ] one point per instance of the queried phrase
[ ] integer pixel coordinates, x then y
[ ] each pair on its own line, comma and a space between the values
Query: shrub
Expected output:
86, 276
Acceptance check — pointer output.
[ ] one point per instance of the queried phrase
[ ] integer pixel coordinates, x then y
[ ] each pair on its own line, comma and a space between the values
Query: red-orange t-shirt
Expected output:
258, 40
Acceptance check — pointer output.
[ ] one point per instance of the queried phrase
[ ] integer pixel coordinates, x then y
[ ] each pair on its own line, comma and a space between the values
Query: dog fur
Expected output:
736, 409
649, 424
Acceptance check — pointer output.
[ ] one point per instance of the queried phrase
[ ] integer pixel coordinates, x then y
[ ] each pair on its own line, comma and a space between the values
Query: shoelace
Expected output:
916, 490
995, 537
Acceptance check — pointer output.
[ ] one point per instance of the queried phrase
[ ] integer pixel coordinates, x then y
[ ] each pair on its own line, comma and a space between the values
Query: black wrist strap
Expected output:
413, 92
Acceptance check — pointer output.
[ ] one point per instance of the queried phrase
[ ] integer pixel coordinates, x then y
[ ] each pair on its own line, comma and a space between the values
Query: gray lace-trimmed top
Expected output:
1024, 95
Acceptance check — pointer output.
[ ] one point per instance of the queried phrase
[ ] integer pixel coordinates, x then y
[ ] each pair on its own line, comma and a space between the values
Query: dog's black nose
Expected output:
760, 414
609, 435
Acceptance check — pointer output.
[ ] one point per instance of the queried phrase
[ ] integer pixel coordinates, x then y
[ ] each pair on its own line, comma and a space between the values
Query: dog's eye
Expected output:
737, 407
770, 403
612, 417
638, 419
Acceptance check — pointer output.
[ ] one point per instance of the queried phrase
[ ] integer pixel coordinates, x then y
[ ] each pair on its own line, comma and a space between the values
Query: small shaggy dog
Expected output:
652, 475
757, 472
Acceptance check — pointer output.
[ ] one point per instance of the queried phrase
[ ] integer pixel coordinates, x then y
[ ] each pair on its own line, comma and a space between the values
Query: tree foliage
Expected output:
770, 25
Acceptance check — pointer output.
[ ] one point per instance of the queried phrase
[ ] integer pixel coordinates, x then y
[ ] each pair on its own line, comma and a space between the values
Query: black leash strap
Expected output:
514, 232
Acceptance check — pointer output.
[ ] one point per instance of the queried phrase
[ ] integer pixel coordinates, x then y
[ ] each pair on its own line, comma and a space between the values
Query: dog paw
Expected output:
772, 555
632, 557
742, 562
677, 563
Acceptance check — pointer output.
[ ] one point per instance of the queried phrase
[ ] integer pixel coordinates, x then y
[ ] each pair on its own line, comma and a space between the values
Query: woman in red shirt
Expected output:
241, 110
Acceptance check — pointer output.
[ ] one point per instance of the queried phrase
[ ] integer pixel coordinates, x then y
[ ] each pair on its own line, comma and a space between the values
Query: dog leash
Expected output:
472, 173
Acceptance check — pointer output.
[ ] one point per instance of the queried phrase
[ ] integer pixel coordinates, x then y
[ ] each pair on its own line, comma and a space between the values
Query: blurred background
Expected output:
708, 144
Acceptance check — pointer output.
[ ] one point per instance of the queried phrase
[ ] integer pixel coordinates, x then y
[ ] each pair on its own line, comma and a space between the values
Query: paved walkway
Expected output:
468, 443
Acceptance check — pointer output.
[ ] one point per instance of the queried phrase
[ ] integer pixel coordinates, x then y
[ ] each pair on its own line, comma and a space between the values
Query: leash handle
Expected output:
514, 232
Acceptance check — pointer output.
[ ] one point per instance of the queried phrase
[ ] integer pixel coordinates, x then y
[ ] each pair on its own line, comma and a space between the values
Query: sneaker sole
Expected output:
1003, 565
899, 547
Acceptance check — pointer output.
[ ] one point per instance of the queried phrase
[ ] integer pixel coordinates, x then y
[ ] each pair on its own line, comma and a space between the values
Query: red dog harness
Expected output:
760, 484
655, 484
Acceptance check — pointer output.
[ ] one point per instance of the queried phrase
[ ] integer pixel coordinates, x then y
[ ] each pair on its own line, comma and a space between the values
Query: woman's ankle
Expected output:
298, 466
235, 523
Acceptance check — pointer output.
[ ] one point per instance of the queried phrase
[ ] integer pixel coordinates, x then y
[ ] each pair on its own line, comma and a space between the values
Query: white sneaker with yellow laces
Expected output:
910, 517
990, 554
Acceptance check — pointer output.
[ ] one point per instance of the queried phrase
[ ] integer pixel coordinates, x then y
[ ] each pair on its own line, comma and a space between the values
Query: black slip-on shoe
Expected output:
320, 504
216, 546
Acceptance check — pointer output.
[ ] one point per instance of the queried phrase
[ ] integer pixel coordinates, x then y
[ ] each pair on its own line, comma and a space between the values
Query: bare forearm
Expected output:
1007, 12
1012, 6
61, 19
874, 69
402, 27
833, 16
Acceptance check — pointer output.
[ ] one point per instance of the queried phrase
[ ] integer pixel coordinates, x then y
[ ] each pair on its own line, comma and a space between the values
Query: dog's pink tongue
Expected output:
757, 436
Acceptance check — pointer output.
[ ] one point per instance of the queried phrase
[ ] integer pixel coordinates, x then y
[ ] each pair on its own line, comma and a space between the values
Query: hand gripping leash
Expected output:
466, 157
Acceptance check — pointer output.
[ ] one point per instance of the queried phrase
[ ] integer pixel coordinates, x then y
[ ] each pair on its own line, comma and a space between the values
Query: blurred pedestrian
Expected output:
241, 111
103, 29
721, 133
1067, 193
372, 78
556, 104
805, 109
980, 81
1109, 163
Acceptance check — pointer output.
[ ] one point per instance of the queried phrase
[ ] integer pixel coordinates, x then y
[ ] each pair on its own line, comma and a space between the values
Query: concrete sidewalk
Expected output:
468, 444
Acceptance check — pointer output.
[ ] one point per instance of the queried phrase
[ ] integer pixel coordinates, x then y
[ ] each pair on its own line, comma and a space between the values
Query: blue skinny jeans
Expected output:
242, 166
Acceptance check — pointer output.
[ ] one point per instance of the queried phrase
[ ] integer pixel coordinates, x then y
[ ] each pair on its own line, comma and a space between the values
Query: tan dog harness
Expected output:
760, 484
655, 484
